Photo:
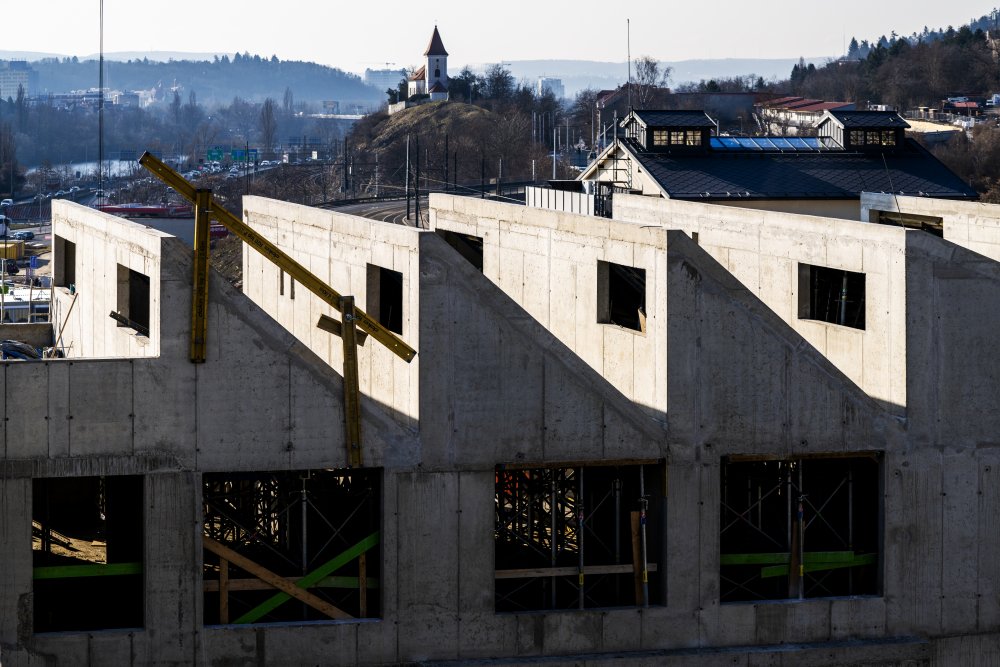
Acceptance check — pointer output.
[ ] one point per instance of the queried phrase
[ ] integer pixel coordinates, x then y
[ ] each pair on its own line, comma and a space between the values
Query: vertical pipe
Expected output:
406, 178
305, 507
579, 534
446, 161
617, 486
553, 151
552, 537
850, 524
482, 176
802, 537
842, 315
643, 502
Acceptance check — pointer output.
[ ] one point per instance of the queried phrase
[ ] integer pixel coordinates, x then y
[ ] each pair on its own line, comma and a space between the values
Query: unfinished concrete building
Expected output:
688, 435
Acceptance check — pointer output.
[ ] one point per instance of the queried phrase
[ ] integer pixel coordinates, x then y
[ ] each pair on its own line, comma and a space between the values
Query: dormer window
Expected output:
873, 137
675, 138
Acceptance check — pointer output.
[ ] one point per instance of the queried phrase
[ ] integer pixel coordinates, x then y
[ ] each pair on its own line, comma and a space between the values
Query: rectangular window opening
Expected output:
65, 267
621, 296
468, 246
385, 297
319, 528
832, 295
87, 553
545, 561
773, 550
133, 299
931, 224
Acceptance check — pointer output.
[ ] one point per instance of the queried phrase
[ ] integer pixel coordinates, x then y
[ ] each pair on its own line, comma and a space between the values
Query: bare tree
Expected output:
268, 125
649, 77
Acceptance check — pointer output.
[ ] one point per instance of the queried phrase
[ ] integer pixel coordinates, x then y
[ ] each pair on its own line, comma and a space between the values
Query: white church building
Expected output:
431, 78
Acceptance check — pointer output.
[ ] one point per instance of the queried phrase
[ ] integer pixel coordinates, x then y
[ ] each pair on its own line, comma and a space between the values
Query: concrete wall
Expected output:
972, 225
548, 263
846, 209
509, 373
763, 249
338, 248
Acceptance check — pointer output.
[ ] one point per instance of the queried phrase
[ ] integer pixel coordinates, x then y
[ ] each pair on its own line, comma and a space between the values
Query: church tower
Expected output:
436, 69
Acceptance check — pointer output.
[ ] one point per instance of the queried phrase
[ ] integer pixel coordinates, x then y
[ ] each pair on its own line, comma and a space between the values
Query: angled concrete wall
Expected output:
337, 248
763, 250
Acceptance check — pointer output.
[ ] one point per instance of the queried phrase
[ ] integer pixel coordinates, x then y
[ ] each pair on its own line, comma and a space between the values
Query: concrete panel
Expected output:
857, 618
15, 550
164, 414
293, 646
988, 543
793, 621
913, 548
960, 538
172, 567
102, 405
578, 632
26, 388
235, 646
427, 523
58, 408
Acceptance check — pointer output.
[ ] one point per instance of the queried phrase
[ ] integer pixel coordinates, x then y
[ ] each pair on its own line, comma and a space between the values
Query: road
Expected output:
387, 211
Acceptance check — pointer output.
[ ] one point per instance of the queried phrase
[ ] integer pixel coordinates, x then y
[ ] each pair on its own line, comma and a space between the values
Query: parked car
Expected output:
7, 202
23, 236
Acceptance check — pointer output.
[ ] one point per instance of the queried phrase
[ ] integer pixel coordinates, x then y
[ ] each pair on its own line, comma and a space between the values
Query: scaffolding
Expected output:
312, 535
575, 537
800, 527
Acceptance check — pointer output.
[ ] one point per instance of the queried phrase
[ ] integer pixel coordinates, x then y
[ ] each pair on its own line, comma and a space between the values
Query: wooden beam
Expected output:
278, 257
312, 578
363, 584
330, 325
199, 287
273, 579
253, 584
223, 591
352, 393
637, 558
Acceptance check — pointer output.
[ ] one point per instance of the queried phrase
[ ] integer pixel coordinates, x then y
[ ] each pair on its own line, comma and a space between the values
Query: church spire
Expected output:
436, 47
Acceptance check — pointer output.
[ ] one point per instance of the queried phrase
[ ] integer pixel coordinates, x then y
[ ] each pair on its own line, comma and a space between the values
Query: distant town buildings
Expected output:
16, 74
384, 79
555, 86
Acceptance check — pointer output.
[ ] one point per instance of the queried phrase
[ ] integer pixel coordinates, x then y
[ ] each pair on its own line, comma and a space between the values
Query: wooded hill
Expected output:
214, 82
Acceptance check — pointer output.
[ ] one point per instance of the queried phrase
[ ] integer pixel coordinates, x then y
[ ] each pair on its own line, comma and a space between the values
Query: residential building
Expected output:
677, 155
16, 75
792, 116
385, 79
548, 84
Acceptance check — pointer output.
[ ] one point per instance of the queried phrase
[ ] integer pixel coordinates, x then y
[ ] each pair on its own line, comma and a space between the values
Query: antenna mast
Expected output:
628, 51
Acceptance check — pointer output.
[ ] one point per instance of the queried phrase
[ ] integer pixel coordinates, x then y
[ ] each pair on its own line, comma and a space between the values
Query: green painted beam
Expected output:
311, 579
95, 570
782, 570
782, 557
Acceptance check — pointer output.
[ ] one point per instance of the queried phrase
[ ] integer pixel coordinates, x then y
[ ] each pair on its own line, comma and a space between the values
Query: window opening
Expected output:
468, 246
315, 531
87, 553
65, 268
133, 300
832, 295
800, 528
579, 537
621, 296
929, 223
385, 297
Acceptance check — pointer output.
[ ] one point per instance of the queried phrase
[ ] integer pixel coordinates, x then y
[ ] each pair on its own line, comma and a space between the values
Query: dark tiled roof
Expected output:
708, 176
436, 46
420, 74
674, 118
855, 119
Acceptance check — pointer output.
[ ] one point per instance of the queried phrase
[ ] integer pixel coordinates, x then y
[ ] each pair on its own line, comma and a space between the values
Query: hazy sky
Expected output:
354, 35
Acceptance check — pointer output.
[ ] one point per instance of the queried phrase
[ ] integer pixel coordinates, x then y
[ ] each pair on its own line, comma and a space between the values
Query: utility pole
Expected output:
416, 187
406, 178
445, 161
554, 132
482, 176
